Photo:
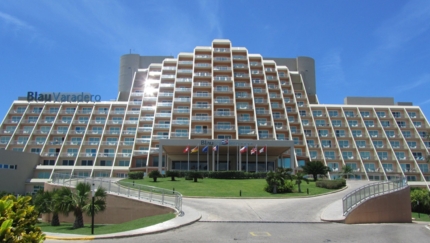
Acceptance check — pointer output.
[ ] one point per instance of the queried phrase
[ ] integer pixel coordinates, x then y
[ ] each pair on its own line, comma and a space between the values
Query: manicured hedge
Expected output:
135, 175
331, 184
223, 174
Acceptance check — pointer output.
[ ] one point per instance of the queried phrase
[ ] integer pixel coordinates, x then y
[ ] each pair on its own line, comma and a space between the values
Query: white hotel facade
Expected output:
216, 93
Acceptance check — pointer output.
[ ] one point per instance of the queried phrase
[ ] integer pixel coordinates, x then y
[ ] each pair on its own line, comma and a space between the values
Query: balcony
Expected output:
165, 104
176, 111
224, 114
181, 122
225, 128
247, 132
222, 79
223, 101
182, 100
201, 118
201, 106
223, 90
161, 126
201, 95
184, 80
201, 131
179, 135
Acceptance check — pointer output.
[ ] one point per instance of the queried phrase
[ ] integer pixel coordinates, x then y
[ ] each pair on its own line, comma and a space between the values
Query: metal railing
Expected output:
151, 194
364, 193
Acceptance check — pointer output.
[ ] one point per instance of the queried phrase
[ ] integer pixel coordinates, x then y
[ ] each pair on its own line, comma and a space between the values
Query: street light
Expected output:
93, 191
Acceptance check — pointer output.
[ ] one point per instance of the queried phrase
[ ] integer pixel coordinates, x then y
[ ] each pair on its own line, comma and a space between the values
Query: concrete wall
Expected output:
369, 101
389, 208
14, 180
118, 210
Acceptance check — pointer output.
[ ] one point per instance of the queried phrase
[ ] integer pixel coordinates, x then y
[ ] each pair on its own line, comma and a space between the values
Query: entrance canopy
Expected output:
236, 152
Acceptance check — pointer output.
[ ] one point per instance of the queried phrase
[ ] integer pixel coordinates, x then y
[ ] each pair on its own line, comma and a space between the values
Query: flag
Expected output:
205, 149
243, 149
254, 150
215, 148
194, 150
262, 150
187, 149
224, 142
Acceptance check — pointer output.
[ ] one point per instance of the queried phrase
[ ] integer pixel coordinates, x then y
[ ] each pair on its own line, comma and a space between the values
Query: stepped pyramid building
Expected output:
217, 108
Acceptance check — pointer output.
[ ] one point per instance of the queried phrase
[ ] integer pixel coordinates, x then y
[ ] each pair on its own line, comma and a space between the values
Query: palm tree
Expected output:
78, 201
47, 202
277, 178
315, 168
346, 170
299, 177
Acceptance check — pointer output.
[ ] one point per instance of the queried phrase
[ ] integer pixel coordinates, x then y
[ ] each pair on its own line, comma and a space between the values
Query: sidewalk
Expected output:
333, 212
189, 216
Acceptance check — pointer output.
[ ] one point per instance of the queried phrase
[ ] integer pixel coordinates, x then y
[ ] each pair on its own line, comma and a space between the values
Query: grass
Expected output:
225, 188
423, 217
66, 228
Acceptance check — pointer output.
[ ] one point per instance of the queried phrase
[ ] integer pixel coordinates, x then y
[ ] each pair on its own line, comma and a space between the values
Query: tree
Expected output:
18, 219
195, 175
299, 177
78, 201
315, 168
154, 175
172, 174
48, 202
422, 196
346, 170
276, 180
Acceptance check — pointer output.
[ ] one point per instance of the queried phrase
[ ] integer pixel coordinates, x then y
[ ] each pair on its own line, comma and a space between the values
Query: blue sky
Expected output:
361, 48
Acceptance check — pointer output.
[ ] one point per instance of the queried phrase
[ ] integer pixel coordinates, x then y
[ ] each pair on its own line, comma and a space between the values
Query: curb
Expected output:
122, 234
310, 196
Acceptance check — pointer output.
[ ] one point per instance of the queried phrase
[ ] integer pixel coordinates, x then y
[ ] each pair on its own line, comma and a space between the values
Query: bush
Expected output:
194, 175
422, 196
236, 175
331, 184
154, 175
138, 175
18, 219
286, 188
172, 174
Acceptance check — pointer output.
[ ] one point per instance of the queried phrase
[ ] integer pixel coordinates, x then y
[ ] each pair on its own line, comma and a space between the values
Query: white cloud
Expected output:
331, 68
412, 85
15, 22
424, 102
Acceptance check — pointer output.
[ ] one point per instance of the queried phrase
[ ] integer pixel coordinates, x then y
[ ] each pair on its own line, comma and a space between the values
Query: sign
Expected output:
63, 97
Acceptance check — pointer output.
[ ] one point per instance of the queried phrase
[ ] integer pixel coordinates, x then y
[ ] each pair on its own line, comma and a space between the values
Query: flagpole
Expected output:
265, 150
188, 157
246, 158
228, 156
207, 159
256, 158
198, 158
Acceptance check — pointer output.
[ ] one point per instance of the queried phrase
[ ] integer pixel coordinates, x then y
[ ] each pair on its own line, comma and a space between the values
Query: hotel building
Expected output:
221, 98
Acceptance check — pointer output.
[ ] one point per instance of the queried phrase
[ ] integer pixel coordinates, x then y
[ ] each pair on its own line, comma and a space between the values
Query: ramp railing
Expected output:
364, 193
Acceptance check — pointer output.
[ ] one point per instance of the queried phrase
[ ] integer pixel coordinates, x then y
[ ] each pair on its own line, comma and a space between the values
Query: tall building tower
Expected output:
217, 108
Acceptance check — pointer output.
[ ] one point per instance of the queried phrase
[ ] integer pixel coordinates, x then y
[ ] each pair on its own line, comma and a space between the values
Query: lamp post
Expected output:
93, 190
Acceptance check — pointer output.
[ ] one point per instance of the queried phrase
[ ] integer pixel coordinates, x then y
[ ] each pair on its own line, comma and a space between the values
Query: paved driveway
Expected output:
274, 210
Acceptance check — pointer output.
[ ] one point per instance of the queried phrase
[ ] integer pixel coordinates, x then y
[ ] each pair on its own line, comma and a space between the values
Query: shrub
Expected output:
236, 175
195, 175
331, 184
286, 188
138, 175
172, 174
18, 220
154, 175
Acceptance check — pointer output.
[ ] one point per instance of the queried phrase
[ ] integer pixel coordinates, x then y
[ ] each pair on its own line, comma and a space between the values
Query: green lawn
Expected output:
423, 217
225, 188
66, 228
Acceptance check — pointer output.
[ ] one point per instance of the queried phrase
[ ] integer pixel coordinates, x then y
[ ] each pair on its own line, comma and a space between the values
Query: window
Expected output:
263, 134
244, 117
53, 110
412, 114
72, 152
305, 122
373, 133
380, 114
258, 90
349, 113
184, 132
35, 150
124, 163
87, 162
48, 162
323, 133
378, 144
369, 167
259, 110
347, 155
353, 123
396, 114
412, 145
20, 109
66, 119
70, 110
4, 140
424, 168
280, 136
340, 133
105, 162
329, 154
68, 162
317, 113
390, 134
336, 123
313, 154
422, 134
395, 144
343, 143
32, 119
320, 123
365, 113
385, 123
242, 105
258, 100
326, 143
245, 130
302, 113
361, 143
333, 113
406, 134
365, 155
369, 123
357, 133
261, 121
400, 155
417, 124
